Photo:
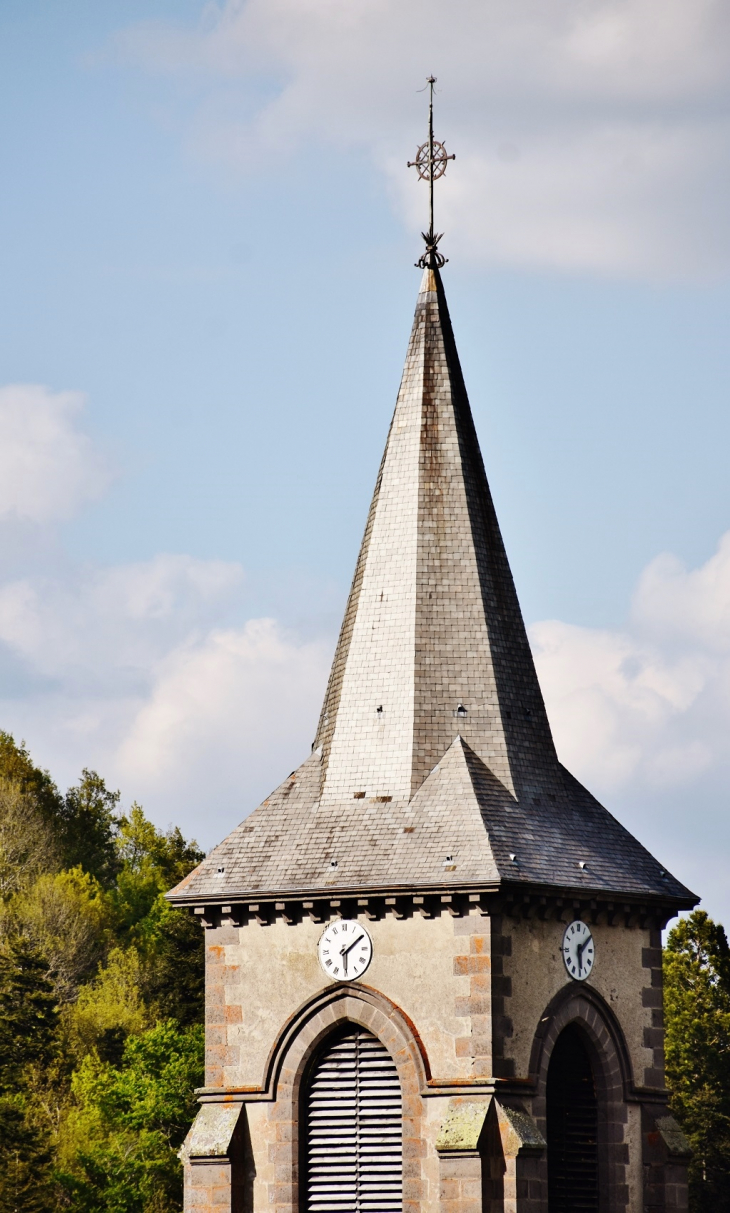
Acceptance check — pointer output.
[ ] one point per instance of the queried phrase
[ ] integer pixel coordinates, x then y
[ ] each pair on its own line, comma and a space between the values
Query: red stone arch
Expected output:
583, 1007
302, 1035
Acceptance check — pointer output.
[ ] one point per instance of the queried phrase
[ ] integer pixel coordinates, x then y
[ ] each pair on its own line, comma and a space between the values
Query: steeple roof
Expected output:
433, 644
433, 741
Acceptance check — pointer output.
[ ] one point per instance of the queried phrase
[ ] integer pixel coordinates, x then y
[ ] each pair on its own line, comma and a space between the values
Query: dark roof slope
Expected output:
288, 846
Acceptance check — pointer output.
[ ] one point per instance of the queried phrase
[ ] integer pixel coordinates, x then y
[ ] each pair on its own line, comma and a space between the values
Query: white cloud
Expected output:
130, 671
642, 715
48, 466
122, 619
589, 137
145, 670
226, 719
648, 706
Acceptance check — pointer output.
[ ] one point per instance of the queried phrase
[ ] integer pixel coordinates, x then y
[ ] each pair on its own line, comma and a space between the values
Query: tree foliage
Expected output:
697, 1014
129, 1120
17, 766
101, 998
87, 825
29, 1046
27, 843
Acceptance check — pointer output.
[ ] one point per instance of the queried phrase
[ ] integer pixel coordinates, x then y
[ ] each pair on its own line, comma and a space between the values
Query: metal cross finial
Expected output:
430, 163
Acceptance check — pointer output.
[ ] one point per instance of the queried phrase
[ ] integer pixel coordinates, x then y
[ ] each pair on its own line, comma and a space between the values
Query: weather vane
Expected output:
430, 162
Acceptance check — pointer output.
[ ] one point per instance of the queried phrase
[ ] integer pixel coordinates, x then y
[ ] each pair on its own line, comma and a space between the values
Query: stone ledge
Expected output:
210, 1137
519, 1132
674, 1139
462, 1126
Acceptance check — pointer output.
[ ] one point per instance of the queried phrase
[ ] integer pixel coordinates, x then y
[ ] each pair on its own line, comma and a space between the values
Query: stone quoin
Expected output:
489, 1058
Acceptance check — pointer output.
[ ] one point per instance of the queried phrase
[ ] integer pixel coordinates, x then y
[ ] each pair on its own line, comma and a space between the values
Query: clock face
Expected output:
345, 950
579, 951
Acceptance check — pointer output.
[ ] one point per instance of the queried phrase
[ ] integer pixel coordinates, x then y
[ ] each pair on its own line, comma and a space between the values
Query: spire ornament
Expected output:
430, 164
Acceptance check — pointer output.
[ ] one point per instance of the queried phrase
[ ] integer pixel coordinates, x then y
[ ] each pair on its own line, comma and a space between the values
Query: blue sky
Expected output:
208, 241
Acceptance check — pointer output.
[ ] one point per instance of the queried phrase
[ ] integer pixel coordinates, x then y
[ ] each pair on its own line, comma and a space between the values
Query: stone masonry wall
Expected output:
474, 989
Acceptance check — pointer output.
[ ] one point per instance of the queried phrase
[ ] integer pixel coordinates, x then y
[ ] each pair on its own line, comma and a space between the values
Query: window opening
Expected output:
353, 1149
572, 1127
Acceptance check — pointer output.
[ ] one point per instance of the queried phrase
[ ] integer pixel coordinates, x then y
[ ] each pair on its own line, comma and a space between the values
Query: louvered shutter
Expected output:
354, 1129
572, 1128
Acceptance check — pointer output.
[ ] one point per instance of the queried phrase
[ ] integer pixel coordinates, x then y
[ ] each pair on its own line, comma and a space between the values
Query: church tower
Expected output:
433, 962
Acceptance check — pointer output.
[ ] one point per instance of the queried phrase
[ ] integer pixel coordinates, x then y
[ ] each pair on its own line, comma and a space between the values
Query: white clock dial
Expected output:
345, 950
579, 951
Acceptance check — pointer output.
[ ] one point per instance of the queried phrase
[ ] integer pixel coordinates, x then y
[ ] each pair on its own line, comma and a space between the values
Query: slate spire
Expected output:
433, 644
433, 766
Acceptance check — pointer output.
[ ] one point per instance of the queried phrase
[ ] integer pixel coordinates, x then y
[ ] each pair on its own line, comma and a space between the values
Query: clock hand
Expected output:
344, 950
348, 948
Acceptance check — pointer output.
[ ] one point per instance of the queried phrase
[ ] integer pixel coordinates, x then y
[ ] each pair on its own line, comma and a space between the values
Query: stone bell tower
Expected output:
433, 958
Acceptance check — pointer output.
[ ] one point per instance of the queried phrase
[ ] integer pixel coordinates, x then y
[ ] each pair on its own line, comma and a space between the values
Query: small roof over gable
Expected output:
462, 828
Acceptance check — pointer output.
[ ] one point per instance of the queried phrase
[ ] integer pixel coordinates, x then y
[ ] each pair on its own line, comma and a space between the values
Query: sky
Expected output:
207, 238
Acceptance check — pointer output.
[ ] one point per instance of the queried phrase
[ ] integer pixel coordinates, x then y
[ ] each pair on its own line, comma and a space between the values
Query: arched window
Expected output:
353, 1122
572, 1127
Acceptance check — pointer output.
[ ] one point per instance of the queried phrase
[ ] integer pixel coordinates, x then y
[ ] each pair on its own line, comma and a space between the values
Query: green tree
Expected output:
169, 942
28, 1013
17, 765
175, 973
697, 1013
101, 998
144, 848
108, 1009
27, 844
88, 823
28, 1050
155, 970
121, 1140
26, 1183
84, 823
69, 919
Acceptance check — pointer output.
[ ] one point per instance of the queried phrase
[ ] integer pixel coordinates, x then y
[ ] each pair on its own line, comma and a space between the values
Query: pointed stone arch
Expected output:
583, 1009
302, 1036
